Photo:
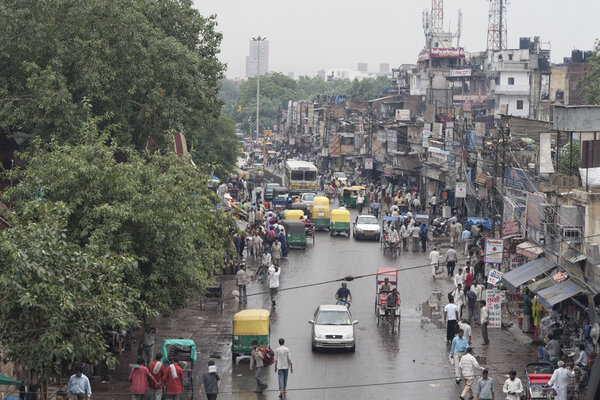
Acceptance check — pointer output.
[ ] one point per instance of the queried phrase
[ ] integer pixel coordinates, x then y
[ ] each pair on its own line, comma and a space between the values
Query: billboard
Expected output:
368, 163
402, 115
534, 215
516, 177
460, 72
493, 252
334, 146
461, 190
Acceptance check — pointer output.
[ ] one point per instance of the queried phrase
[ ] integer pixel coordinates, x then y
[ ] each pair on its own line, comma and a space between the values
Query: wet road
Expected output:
402, 365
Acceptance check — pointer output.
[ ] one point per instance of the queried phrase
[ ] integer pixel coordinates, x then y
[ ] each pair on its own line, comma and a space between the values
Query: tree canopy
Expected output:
591, 80
150, 67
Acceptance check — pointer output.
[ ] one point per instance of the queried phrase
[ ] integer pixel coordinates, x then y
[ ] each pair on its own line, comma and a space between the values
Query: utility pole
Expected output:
258, 40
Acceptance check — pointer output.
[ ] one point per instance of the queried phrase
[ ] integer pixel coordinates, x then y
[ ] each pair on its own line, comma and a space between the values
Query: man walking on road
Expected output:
450, 316
79, 385
468, 364
256, 358
266, 263
415, 234
458, 349
210, 381
283, 364
424, 234
274, 273
485, 387
484, 320
147, 344
157, 371
451, 258
241, 280
513, 386
434, 259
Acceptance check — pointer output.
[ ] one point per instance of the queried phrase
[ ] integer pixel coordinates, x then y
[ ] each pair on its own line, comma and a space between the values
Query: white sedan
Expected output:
366, 227
333, 327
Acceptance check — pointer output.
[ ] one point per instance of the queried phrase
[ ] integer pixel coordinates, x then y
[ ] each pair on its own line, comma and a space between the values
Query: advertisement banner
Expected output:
494, 277
402, 115
494, 250
493, 300
392, 142
460, 72
461, 190
516, 178
510, 229
534, 216
368, 163
334, 146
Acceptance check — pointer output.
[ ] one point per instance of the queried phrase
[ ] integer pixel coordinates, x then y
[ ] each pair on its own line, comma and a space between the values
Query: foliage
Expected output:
565, 165
277, 89
151, 67
217, 147
57, 297
591, 81
155, 208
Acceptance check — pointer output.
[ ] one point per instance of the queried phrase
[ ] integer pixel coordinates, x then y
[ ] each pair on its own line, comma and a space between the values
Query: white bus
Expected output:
301, 176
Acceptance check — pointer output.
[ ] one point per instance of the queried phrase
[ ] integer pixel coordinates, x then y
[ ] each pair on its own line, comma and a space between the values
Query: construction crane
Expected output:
496, 37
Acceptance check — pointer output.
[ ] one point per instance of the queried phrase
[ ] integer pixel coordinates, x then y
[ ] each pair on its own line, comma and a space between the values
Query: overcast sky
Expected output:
308, 35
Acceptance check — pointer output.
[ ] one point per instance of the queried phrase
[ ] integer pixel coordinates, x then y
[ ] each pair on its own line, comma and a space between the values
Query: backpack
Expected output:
268, 356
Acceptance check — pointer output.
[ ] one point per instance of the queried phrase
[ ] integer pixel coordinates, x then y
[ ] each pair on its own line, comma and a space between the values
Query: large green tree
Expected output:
155, 208
57, 298
590, 83
150, 67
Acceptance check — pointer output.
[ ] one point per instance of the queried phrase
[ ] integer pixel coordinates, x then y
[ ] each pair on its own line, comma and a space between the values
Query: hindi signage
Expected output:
494, 277
461, 190
493, 300
460, 72
494, 250
510, 229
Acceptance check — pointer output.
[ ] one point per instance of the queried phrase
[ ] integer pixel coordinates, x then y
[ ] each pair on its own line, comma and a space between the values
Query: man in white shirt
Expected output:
464, 237
274, 273
513, 386
462, 324
468, 364
459, 278
450, 317
241, 280
478, 290
484, 319
404, 233
434, 259
451, 258
415, 234
560, 381
283, 363
459, 298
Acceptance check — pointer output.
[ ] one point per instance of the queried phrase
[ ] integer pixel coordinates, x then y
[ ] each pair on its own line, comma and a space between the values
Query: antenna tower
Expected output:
496, 37
437, 15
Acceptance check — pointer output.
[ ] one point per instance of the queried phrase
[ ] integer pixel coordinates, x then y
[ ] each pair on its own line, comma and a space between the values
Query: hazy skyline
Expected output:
311, 35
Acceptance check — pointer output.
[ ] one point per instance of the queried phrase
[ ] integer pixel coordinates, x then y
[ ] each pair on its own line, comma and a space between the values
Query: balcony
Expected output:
515, 90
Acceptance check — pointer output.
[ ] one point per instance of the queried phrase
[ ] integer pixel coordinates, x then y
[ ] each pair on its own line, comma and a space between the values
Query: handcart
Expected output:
213, 293
538, 375
185, 351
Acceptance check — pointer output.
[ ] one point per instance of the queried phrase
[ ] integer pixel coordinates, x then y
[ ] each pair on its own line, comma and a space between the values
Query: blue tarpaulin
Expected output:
487, 223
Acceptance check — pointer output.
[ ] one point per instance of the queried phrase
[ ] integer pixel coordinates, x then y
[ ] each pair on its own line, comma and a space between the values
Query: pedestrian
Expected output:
471, 298
478, 290
174, 380
452, 234
459, 278
274, 273
276, 252
468, 277
560, 380
266, 263
433, 203
416, 205
209, 381
512, 386
376, 206
457, 350
258, 192
462, 324
138, 377
450, 317
415, 234
147, 344
404, 234
484, 387
79, 385
451, 258
157, 374
241, 278
283, 364
468, 364
423, 236
434, 259
484, 320
256, 358
459, 299
257, 245
464, 238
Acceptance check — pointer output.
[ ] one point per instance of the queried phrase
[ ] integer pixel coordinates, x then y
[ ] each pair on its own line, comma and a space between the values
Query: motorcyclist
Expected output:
343, 295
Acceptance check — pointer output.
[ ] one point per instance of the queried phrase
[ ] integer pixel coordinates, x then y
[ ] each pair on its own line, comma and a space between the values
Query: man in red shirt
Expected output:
139, 380
174, 380
468, 278
157, 371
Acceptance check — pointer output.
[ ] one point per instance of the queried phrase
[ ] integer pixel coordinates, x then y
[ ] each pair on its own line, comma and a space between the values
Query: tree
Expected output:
590, 83
569, 162
57, 298
149, 67
217, 147
155, 208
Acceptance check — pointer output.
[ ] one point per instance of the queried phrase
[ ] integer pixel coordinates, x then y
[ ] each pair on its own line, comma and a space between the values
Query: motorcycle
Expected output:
440, 227
342, 301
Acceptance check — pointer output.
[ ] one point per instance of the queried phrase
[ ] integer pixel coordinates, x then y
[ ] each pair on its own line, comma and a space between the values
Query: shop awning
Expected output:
574, 256
559, 292
526, 272
541, 284
5, 380
529, 250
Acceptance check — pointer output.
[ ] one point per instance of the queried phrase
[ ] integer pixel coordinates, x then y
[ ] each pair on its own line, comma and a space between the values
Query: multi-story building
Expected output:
257, 61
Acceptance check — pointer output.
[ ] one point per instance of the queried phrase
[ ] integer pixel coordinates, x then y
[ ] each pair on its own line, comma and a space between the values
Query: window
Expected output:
297, 175
519, 104
510, 56
511, 81
310, 175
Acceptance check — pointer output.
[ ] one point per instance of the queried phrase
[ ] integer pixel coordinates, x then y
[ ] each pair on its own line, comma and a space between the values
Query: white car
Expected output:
307, 198
340, 176
366, 227
333, 327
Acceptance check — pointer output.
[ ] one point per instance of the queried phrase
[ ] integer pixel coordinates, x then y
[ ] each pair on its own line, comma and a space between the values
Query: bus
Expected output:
301, 176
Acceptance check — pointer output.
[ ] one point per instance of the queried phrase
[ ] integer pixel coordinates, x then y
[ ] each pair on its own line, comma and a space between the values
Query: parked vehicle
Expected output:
320, 216
366, 227
249, 325
269, 190
538, 375
295, 233
333, 327
439, 227
340, 177
339, 222
293, 215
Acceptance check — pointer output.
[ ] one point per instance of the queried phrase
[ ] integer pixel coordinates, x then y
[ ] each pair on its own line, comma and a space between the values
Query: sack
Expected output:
268, 356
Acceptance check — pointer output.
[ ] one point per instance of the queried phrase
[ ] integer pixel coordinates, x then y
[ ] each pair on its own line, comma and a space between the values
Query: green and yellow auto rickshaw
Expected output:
249, 325
318, 200
340, 221
348, 195
293, 215
295, 233
321, 216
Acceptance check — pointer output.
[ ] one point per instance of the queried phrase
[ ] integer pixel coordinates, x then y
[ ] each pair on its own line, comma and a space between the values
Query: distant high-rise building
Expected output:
322, 74
252, 60
291, 75
363, 67
384, 68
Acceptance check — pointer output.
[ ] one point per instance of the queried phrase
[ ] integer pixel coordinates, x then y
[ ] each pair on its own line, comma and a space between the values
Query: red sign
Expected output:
439, 52
510, 229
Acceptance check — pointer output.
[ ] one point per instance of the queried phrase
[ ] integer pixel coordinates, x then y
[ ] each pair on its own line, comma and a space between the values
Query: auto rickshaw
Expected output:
249, 325
280, 195
295, 232
319, 200
321, 216
340, 221
305, 208
293, 215
348, 195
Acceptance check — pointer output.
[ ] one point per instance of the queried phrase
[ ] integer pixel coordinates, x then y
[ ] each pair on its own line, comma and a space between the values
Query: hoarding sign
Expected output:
402, 115
460, 72
368, 163
494, 250
493, 300
494, 277
461, 190
510, 228
534, 214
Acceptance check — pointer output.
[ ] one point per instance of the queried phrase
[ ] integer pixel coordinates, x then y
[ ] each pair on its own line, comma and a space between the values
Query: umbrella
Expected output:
5, 380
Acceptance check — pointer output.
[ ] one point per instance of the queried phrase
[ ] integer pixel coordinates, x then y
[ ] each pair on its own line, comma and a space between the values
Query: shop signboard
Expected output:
516, 177
392, 142
292, 141
379, 157
494, 250
493, 300
387, 170
461, 190
460, 72
534, 215
369, 163
510, 229
494, 277
402, 115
